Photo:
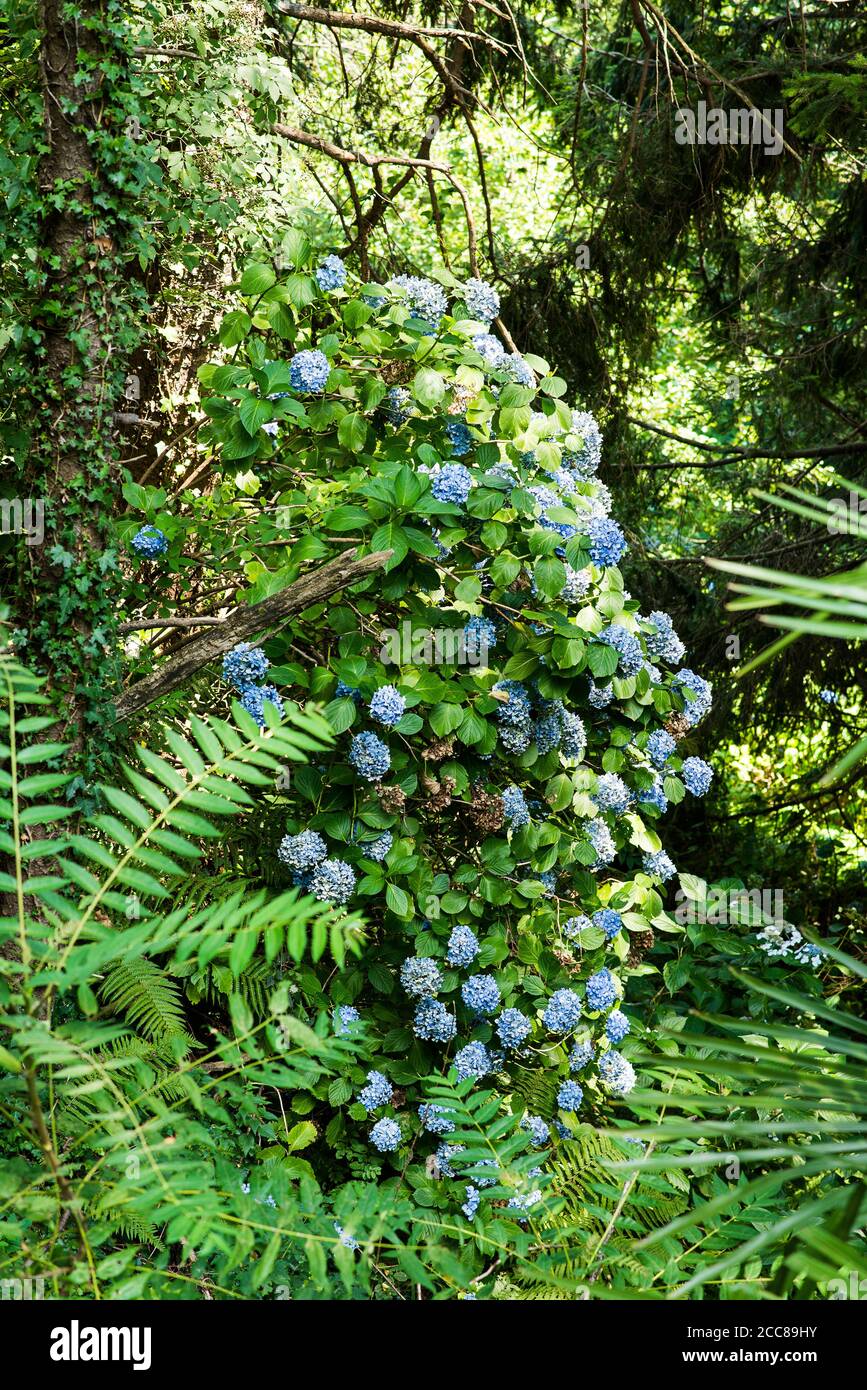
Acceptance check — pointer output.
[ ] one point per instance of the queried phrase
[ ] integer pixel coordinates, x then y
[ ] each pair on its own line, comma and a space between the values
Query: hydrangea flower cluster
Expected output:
481, 994
304, 851
483, 302
377, 1092
333, 881
331, 274
696, 776
420, 975
370, 757
308, 371
150, 541
427, 300
452, 484
783, 941
463, 946
387, 705
386, 1136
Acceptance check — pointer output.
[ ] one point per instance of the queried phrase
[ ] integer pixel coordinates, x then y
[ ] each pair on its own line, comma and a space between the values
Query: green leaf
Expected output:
352, 432
235, 327
257, 278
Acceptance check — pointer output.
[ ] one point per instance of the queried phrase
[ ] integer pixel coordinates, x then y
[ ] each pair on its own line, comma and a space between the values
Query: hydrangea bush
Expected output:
496, 817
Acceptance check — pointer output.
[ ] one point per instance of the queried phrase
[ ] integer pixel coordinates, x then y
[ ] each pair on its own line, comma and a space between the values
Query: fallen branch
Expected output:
249, 621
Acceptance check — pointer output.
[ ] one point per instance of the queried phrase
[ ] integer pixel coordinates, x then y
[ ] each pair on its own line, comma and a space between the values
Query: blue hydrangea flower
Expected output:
600, 696
513, 1028
344, 1017
570, 1096
435, 1118
244, 665
563, 1011
612, 793
627, 646
150, 541
518, 369
463, 946
576, 586
694, 709
602, 841
302, 851
444, 1155
601, 990
378, 849
573, 928
548, 731
427, 300
459, 437
348, 692
482, 301
471, 1205
655, 795
616, 1074
331, 274
480, 637
333, 881
452, 484
420, 976
397, 405
607, 541
387, 705
609, 921
479, 1170
377, 1092
660, 747
659, 865
547, 500
585, 461
520, 1204
433, 1022
491, 349
308, 371
537, 1129
663, 643
829, 697
472, 1061
573, 740
385, 1136
481, 994
616, 1026
369, 756
696, 774
254, 698
581, 1056
514, 740
515, 807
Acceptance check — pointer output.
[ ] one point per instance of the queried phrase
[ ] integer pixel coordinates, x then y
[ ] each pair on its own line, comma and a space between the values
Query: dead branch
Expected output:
249, 621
